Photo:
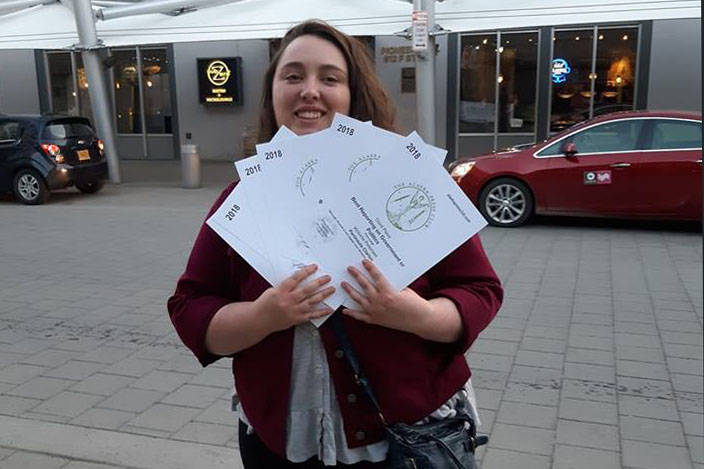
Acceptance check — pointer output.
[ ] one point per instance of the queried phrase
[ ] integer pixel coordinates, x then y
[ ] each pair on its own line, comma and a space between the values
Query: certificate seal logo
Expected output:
218, 72
305, 176
410, 207
361, 165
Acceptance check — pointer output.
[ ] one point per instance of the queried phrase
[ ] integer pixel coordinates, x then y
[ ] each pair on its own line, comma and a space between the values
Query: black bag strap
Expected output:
343, 339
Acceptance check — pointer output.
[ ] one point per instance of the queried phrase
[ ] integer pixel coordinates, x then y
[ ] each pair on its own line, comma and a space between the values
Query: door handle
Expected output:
698, 162
620, 165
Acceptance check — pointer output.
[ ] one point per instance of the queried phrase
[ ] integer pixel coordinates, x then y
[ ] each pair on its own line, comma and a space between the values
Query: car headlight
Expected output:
461, 169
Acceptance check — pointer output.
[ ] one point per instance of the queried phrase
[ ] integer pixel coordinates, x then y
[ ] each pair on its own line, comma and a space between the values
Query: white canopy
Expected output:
258, 19
473, 15
53, 26
41, 27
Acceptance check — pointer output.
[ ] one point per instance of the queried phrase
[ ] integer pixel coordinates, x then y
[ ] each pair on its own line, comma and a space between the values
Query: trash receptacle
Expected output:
190, 166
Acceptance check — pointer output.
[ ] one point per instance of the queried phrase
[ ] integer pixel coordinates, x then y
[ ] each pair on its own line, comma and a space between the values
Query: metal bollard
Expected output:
190, 166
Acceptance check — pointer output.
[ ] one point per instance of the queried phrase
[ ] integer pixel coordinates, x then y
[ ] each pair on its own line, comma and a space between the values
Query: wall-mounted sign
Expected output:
560, 70
419, 29
220, 80
398, 54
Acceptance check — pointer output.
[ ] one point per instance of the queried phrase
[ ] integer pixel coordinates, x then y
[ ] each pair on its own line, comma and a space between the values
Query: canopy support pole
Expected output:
425, 77
97, 89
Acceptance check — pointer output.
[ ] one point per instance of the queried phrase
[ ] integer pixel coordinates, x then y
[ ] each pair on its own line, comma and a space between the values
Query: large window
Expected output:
157, 92
127, 103
477, 110
68, 84
571, 72
142, 74
615, 69
498, 99
517, 82
63, 94
592, 73
84, 108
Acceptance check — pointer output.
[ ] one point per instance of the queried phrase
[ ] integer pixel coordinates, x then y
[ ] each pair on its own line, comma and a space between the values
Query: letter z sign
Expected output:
597, 177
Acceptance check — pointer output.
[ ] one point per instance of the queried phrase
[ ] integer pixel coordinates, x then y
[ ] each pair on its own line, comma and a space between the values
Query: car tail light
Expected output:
101, 145
461, 169
53, 151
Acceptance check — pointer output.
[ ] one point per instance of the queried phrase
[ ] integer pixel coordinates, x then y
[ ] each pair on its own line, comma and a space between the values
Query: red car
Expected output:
635, 164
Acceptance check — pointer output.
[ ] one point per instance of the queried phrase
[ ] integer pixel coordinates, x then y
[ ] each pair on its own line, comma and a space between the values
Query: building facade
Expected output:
494, 89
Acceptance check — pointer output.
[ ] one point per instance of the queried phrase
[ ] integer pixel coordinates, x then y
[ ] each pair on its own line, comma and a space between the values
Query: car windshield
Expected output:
68, 129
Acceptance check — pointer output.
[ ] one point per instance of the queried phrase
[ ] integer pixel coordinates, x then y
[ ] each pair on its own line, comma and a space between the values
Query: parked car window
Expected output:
9, 131
669, 134
67, 129
604, 138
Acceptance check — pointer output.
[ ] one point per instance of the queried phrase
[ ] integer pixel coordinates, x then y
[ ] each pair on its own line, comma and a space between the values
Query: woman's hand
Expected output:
381, 304
294, 301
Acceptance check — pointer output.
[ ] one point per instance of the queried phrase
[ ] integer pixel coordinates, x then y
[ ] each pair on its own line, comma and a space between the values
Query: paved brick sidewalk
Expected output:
595, 359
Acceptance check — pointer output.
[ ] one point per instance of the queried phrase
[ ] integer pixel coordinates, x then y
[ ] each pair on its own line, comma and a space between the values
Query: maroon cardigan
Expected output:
411, 376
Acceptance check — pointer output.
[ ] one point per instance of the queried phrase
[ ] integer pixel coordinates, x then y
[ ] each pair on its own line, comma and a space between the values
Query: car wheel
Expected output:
29, 187
506, 202
90, 187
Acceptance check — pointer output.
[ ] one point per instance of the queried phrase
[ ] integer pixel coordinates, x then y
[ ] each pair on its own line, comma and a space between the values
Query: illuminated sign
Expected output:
560, 70
220, 80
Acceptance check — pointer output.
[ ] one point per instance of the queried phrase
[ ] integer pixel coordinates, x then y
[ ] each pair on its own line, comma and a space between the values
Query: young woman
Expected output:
300, 405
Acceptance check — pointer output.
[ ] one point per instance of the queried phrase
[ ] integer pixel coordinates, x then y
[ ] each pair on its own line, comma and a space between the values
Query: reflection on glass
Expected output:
517, 82
673, 134
61, 79
477, 83
84, 108
571, 70
157, 98
614, 136
127, 92
615, 70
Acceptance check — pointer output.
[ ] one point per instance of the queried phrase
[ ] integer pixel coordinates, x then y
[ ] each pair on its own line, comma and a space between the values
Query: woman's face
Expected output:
310, 85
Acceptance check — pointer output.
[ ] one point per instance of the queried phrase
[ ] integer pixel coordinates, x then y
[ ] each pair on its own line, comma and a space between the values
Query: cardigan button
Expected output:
339, 354
360, 436
351, 398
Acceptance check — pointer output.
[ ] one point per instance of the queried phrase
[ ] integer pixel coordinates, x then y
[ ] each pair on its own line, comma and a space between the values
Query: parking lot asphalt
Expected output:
594, 360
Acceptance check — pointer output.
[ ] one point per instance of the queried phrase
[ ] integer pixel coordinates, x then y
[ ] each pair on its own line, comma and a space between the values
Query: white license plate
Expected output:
83, 155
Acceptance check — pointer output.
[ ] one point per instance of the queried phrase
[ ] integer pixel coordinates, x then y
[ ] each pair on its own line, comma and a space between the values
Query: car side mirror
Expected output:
569, 149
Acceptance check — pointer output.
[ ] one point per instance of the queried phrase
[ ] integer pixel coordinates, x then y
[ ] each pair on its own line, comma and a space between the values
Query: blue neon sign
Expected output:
560, 70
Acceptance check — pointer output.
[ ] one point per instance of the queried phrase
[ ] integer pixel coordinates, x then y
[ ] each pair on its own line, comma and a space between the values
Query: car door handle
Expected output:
698, 161
620, 165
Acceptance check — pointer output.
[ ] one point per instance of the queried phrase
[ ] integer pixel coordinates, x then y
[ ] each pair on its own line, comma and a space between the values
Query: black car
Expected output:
42, 153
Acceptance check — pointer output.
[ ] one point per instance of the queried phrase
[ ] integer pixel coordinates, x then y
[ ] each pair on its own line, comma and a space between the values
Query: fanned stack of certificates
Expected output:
340, 195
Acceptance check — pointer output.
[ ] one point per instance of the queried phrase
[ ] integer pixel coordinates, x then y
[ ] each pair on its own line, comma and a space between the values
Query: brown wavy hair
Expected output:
368, 98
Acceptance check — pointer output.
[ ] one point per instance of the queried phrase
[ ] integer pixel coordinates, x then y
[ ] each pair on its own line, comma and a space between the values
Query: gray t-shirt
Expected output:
314, 426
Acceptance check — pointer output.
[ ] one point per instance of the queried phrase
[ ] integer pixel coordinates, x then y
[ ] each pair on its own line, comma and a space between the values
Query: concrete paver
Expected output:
595, 359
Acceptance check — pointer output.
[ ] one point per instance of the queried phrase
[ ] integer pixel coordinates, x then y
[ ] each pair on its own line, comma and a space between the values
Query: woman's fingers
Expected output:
320, 313
367, 286
319, 297
356, 295
301, 274
358, 315
379, 279
314, 285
